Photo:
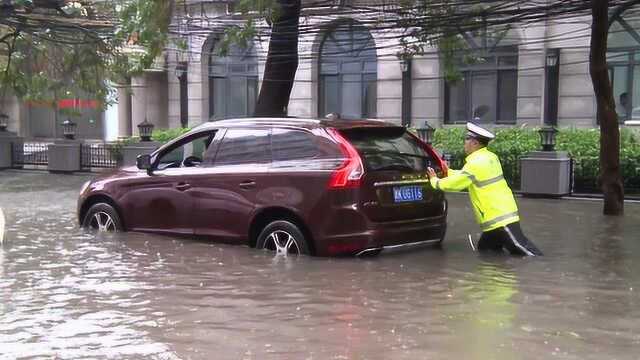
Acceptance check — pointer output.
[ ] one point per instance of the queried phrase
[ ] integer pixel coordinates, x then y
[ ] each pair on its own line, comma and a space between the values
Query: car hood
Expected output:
121, 173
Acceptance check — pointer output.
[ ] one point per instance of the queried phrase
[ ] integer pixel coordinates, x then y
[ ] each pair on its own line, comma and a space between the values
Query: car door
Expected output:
163, 200
228, 192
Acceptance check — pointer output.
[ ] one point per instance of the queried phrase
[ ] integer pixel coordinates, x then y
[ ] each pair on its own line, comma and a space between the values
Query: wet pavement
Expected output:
69, 294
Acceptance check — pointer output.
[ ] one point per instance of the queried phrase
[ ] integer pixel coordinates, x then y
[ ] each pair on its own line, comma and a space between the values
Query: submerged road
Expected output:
69, 294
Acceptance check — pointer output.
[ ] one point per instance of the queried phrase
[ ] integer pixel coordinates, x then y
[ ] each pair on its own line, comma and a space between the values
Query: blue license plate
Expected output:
407, 193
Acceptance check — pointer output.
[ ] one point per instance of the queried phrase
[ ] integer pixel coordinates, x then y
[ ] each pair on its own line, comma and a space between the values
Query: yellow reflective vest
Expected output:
493, 202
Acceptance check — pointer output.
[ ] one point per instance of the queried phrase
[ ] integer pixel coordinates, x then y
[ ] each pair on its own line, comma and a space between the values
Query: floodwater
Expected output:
69, 294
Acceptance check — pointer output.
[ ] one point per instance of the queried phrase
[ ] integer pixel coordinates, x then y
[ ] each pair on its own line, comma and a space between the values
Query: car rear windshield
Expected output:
389, 149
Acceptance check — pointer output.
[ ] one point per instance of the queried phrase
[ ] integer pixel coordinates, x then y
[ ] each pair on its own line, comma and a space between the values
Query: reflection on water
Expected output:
67, 294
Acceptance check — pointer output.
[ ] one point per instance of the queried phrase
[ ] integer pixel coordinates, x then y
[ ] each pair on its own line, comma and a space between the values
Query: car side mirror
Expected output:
143, 162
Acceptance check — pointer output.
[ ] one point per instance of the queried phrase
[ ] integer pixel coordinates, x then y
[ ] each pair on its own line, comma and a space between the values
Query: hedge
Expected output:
582, 145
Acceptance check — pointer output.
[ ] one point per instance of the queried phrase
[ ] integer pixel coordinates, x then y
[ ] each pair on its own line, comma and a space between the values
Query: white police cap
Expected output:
478, 132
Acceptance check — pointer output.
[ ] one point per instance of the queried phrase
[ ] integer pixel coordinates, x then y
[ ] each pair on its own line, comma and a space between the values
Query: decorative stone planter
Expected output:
545, 173
65, 156
9, 140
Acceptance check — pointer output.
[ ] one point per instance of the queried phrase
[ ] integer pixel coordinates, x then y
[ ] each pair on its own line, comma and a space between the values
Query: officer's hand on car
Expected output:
431, 173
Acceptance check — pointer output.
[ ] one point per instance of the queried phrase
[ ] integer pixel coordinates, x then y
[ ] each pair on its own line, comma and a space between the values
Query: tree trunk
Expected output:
282, 62
610, 177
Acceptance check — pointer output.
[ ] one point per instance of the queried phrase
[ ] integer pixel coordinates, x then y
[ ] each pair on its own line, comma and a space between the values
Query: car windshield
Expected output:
389, 149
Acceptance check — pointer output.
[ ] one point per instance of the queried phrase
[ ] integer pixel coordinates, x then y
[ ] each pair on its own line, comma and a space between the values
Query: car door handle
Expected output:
249, 184
183, 186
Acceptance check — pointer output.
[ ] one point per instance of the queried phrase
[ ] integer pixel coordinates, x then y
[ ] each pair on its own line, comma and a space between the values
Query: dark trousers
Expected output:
509, 237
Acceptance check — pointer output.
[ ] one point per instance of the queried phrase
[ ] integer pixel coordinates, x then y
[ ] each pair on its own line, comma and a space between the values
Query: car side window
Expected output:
244, 146
187, 153
291, 144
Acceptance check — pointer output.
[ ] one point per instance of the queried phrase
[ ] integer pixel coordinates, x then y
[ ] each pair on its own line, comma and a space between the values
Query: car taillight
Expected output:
350, 172
426, 147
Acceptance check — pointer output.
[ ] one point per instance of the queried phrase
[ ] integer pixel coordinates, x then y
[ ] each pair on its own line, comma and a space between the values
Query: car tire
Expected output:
444, 233
284, 238
102, 217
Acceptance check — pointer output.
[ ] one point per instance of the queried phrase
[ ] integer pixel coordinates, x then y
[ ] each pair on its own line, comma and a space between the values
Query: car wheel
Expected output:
284, 238
102, 217
444, 233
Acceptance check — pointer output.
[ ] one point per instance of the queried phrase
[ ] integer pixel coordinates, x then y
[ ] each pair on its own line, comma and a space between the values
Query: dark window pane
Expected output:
508, 91
330, 95
237, 101
351, 97
329, 68
238, 68
635, 104
348, 52
351, 67
483, 97
458, 102
234, 91
620, 91
488, 91
370, 67
293, 145
219, 98
218, 70
241, 146
484, 63
370, 95
508, 61
252, 94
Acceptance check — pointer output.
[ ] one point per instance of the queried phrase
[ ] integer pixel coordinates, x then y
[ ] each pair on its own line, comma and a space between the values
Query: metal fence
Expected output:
586, 172
32, 153
101, 155
97, 155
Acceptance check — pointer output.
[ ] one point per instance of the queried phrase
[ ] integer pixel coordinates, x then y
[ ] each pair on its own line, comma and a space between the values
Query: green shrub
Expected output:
166, 135
583, 145
115, 148
160, 135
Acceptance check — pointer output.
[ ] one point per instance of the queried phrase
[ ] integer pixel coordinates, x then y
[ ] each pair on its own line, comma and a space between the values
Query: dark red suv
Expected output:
320, 187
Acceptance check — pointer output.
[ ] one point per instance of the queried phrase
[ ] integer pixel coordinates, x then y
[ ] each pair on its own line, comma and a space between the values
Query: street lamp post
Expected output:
426, 133
69, 129
181, 74
4, 122
405, 68
552, 81
548, 138
145, 129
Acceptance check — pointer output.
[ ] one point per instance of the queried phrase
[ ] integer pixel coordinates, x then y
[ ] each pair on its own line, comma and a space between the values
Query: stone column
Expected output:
138, 102
124, 111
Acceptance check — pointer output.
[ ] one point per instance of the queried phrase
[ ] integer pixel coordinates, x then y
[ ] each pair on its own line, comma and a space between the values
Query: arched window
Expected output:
233, 82
488, 89
623, 57
348, 72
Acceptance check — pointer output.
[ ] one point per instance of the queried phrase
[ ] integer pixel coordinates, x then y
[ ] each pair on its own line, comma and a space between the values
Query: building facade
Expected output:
529, 75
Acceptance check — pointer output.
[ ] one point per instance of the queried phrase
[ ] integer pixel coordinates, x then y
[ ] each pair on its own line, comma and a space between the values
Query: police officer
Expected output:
493, 203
